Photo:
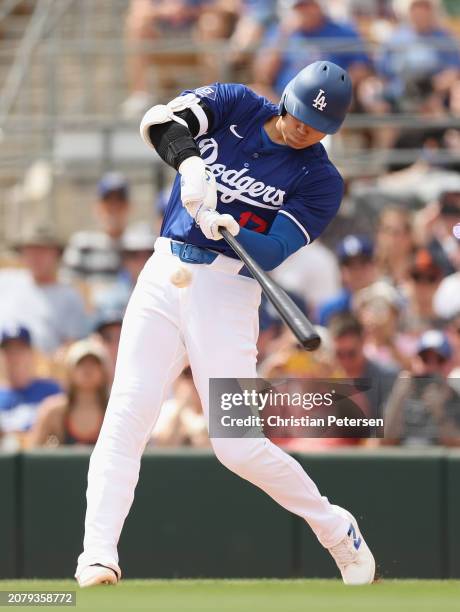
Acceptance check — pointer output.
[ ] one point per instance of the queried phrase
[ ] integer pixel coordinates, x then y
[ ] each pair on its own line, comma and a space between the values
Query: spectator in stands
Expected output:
291, 362
425, 276
137, 246
419, 50
217, 21
447, 297
304, 36
422, 407
379, 308
156, 21
96, 255
348, 337
312, 273
181, 421
453, 334
107, 328
287, 358
256, 17
355, 255
270, 328
34, 297
75, 417
373, 18
23, 392
394, 244
441, 238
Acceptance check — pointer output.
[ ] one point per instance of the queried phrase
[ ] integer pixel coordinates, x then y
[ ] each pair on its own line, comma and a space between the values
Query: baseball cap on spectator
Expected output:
354, 246
39, 234
113, 182
15, 332
84, 348
435, 340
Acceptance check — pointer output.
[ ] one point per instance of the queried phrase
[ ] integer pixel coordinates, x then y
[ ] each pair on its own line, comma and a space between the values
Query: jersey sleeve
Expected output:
315, 204
270, 250
229, 102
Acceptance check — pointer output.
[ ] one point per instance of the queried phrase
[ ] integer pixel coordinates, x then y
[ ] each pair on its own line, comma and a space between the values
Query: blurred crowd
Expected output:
402, 55
386, 303
382, 284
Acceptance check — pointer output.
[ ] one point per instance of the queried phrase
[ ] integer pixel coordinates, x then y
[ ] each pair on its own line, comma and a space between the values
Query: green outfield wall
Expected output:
193, 518
10, 538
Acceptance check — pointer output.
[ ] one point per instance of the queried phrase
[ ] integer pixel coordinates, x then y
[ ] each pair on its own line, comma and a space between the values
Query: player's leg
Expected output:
220, 340
150, 357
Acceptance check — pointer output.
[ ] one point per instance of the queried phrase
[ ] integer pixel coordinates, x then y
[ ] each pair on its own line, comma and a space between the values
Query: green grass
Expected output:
255, 595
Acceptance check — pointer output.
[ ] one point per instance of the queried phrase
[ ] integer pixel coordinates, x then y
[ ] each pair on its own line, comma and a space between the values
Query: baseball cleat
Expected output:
96, 574
352, 555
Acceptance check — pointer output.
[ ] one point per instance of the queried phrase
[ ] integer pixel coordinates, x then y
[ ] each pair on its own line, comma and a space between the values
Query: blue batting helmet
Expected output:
319, 96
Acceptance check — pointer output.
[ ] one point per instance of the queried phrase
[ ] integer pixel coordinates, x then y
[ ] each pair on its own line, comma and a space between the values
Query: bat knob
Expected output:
311, 343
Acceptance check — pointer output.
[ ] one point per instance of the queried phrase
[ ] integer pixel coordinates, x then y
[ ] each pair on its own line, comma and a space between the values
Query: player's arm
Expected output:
302, 219
171, 130
270, 250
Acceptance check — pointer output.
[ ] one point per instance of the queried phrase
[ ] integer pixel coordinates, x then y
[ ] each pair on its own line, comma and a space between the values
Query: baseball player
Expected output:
260, 171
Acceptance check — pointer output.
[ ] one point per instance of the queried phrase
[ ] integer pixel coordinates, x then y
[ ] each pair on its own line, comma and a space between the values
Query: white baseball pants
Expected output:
212, 323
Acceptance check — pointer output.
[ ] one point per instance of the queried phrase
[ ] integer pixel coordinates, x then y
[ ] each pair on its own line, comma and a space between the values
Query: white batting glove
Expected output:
197, 186
210, 220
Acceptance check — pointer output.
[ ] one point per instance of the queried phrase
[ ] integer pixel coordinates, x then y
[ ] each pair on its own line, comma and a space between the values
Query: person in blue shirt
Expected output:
21, 396
260, 171
307, 34
419, 50
355, 255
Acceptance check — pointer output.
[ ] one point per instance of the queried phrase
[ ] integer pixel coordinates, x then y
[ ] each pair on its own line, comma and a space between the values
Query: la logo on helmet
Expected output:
320, 101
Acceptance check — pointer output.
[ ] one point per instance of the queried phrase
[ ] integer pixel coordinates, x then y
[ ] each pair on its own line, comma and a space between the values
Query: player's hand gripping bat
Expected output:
287, 309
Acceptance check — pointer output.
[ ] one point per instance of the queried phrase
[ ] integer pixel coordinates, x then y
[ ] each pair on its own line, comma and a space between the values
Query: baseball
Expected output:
181, 277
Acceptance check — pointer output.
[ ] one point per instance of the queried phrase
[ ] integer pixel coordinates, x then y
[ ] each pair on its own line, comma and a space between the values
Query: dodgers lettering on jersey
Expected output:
256, 182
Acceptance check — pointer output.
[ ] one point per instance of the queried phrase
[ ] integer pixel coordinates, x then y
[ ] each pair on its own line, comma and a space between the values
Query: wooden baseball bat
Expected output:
287, 309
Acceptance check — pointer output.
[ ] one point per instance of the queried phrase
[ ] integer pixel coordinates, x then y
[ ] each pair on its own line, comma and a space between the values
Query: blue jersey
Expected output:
18, 407
257, 180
